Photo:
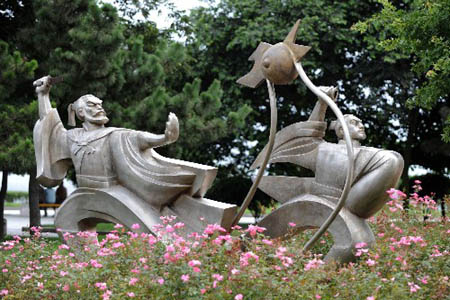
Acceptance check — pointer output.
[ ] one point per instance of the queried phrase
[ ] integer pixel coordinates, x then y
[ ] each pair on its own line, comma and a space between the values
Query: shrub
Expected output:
12, 196
410, 260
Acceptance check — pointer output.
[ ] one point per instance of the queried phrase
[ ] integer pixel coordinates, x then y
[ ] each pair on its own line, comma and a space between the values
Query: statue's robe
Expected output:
302, 144
108, 157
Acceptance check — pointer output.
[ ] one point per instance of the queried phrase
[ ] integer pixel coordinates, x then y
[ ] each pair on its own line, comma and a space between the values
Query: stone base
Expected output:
87, 207
309, 211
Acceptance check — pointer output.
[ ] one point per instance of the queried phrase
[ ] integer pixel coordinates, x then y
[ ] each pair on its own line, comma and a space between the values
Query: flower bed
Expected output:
410, 260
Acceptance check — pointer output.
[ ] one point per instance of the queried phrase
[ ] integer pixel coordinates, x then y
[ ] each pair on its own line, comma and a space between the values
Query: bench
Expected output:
48, 205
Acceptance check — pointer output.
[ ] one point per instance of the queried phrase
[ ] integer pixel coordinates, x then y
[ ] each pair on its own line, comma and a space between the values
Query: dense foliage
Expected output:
418, 30
222, 36
410, 260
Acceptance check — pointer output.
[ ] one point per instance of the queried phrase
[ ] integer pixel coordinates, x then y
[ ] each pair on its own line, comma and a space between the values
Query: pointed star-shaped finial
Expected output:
275, 62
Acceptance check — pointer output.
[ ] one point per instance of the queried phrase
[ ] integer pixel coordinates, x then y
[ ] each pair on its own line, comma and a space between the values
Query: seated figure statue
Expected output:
302, 143
120, 177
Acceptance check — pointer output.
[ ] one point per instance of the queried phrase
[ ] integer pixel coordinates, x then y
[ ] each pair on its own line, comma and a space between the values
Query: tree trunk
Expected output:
2, 202
407, 153
33, 194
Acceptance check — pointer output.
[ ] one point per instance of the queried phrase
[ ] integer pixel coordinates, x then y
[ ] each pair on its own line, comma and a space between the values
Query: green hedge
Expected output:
11, 196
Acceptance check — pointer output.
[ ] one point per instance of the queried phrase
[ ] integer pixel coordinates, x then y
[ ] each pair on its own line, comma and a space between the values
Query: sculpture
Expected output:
350, 181
121, 178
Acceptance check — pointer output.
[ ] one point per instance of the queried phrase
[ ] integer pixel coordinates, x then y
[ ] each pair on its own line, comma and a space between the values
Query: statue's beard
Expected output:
99, 119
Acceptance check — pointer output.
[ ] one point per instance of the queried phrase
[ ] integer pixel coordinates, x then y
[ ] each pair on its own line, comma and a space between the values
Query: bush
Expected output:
409, 261
14, 196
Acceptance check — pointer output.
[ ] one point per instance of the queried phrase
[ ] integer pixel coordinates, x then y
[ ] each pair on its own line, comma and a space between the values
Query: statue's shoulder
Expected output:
79, 134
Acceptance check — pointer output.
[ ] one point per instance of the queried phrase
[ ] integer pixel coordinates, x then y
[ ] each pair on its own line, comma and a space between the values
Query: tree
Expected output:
16, 114
419, 30
222, 37
141, 75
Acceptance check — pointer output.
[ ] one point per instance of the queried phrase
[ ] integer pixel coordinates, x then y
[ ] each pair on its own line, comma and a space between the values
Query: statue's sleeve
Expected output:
297, 144
51, 149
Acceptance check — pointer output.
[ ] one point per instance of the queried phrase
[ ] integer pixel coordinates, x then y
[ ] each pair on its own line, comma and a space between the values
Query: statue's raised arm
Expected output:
50, 137
43, 86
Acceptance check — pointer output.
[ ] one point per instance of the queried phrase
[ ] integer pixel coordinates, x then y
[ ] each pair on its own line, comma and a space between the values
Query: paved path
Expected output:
15, 221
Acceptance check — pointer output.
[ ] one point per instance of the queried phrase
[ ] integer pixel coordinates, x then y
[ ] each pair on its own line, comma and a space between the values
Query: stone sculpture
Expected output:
120, 177
350, 181
306, 201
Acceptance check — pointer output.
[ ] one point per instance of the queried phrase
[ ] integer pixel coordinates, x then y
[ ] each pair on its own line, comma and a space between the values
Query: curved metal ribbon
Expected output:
273, 131
351, 158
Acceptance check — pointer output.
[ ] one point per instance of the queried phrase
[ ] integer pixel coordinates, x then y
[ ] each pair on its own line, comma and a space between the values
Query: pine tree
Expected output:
17, 115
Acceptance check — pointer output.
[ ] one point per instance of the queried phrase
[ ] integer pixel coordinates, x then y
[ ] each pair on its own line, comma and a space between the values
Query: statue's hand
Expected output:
43, 85
331, 91
172, 128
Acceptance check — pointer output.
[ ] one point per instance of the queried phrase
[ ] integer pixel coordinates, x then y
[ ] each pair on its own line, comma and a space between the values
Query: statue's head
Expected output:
87, 108
355, 127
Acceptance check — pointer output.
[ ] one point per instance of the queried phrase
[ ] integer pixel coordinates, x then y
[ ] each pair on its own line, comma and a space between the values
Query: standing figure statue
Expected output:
302, 143
120, 177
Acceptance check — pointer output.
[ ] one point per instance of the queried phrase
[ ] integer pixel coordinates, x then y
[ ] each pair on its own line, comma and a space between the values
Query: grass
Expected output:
13, 204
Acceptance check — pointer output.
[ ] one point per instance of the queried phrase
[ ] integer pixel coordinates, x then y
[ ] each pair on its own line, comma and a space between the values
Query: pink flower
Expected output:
238, 297
313, 264
253, 229
417, 181
106, 295
235, 271
25, 278
424, 280
267, 242
185, 277
66, 288
194, 263
135, 226
100, 285
360, 245
133, 281
211, 228
170, 229
413, 287
246, 256
292, 224
218, 277
118, 226
118, 245
370, 298
161, 281
4, 292
202, 291
63, 273
5, 270
63, 246
318, 296
396, 194
370, 262
95, 264
130, 294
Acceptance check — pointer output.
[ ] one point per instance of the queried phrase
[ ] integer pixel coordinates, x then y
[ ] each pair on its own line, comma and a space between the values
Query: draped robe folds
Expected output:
302, 144
110, 156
